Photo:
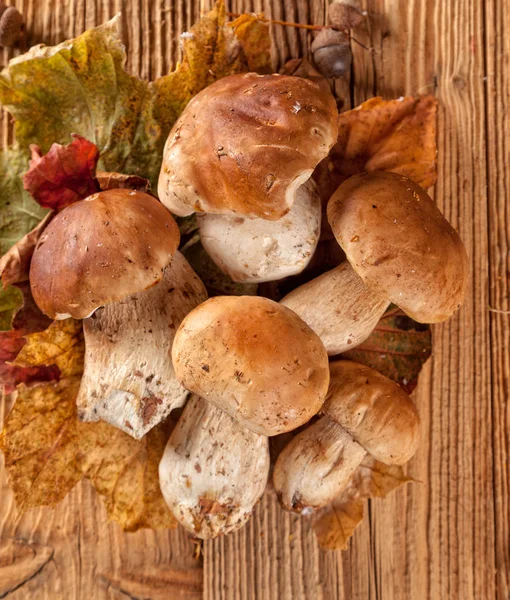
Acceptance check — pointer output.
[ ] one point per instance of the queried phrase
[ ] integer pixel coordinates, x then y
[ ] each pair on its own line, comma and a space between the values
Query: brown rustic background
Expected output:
444, 538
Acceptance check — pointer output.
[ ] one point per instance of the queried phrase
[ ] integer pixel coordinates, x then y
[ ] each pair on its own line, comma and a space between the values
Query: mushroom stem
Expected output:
129, 380
257, 250
339, 307
213, 470
316, 466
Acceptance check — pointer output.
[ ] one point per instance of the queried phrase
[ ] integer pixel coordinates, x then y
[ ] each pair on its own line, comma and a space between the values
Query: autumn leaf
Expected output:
48, 450
64, 175
10, 303
81, 86
19, 213
22, 317
111, 181
335, 524
398, 347
253, 33
387, 135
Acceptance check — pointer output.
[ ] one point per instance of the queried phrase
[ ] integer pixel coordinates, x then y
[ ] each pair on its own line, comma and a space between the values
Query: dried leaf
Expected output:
81, 86
64, 175
15, 264
24, 318
61, 345
398, 347
48, 450
111, 181
253, 33
388, 135
335, 524
19, 213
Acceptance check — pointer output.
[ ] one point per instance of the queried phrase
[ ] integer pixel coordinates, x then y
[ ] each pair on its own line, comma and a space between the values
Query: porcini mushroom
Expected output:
213, 470
255, 359
129, 380
256, 250
99, 250
245, 144
400, 249
364, 412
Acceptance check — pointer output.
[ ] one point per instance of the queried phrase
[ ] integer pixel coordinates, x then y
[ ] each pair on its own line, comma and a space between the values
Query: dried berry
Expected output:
345, 15
11, 25
332, 53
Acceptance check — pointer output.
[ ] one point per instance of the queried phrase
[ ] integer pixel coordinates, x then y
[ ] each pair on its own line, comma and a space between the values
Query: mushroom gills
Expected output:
339, 307
213, 470
129, 380
316, 466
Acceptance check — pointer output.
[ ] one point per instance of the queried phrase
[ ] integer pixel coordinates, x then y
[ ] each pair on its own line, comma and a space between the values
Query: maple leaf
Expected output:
335, 524
64, 175
48, 450
398, 347
383, 135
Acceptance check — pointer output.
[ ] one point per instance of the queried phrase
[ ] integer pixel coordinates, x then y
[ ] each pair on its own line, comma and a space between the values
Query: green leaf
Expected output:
11, 300
18, 212
81, 86
398, 347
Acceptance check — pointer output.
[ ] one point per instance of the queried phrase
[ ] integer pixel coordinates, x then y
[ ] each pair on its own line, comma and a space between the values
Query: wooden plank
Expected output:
446, 537
497, 89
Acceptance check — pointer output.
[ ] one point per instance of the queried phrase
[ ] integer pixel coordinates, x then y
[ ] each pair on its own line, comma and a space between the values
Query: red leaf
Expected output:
64, 175
28, 319
398, 347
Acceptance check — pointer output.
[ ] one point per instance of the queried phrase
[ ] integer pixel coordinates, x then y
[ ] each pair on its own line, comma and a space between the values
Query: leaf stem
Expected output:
498, 311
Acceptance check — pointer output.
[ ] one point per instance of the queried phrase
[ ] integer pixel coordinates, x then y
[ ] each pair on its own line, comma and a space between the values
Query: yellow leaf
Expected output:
253, 34
48, 450
335, 524
61, 344
386, 135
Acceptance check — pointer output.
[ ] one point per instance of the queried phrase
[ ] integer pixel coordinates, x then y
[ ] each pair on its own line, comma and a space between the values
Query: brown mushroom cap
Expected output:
99, 250
255, 359
376, 411
400, 244
245, 144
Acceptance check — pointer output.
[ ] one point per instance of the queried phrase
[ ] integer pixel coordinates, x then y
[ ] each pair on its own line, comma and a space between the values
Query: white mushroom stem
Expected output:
339, 307
257, 250
129, 380
213, 470
316, 466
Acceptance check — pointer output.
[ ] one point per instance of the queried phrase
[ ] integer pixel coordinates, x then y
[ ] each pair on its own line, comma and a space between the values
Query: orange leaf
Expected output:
335, 524
383, 135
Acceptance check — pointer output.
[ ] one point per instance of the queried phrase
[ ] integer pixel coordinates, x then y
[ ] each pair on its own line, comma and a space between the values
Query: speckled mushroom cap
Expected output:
400, 244
255, 359
245, 144
99, 250
376, 411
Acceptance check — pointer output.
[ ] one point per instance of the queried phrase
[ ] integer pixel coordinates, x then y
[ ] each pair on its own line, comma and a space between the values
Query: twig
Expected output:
498, 311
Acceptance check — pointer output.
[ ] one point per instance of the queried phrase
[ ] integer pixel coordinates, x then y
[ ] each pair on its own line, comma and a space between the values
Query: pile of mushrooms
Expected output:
246, 368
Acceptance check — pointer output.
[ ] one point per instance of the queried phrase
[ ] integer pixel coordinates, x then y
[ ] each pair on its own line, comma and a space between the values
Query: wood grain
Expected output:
445, 537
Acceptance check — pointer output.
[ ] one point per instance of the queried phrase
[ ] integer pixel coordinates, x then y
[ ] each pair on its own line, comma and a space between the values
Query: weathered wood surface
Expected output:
445, 538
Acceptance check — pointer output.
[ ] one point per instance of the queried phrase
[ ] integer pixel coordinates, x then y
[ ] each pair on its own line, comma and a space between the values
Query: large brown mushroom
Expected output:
213, 470
254, 359
364, 412
245, 144
400, 249
129, 380
100, 250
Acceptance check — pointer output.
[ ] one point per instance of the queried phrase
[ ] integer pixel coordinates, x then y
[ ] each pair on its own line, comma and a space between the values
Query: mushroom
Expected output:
129, 380
213, 470
400, 249
256, 250
254, 359
364, 412
100, 250
245, 144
